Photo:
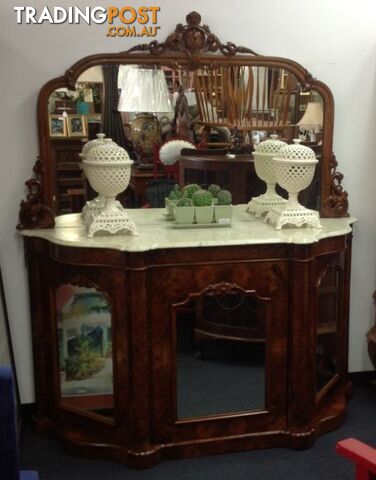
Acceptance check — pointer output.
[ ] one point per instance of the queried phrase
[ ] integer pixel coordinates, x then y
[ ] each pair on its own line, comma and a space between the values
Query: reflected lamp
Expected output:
312, 120
145, 93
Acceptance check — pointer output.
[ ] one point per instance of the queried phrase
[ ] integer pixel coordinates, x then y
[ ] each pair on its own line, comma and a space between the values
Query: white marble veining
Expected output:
156, 232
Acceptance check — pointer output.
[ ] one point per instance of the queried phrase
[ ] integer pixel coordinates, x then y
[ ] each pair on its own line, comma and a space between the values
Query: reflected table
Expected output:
234, 174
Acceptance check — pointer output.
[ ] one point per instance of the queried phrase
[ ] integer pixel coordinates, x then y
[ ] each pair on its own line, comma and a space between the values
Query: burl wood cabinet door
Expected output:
219, 347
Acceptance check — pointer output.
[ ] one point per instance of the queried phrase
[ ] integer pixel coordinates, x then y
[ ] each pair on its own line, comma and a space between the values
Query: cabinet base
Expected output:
80, 444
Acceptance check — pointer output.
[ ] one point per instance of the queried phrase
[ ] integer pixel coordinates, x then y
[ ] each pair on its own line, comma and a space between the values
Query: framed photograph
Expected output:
77, 126
94, 118
6, 348
57, 126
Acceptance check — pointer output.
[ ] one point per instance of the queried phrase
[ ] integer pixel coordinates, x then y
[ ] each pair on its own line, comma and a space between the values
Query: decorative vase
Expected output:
95, 206
295, 167
108, 169
265, 169
146, 133
169, 206
82, 108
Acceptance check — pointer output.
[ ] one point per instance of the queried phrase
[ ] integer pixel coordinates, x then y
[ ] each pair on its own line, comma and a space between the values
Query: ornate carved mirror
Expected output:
230, 87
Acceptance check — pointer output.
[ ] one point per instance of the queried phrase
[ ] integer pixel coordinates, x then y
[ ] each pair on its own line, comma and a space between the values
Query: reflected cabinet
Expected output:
177, 352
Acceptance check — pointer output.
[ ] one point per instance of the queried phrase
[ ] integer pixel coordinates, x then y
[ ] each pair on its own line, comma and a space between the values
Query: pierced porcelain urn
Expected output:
295, 167
108, 169
265, 169
94, 207
91, 144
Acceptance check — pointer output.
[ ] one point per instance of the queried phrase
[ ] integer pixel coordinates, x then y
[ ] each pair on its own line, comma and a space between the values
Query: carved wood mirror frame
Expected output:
189, 46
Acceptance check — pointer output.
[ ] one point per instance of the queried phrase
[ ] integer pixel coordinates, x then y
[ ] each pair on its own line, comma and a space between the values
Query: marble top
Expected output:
156, 232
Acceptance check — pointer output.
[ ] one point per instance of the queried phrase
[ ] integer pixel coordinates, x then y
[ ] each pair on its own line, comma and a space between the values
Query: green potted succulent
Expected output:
203, 202
214, 190
190, 189
184, 211
171, 200
223, 209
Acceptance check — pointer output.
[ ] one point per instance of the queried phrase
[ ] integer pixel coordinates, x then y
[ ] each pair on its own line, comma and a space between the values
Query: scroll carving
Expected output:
336, 205
221, 289
78, 280
193, 40
70, 79
33, 213
81, 280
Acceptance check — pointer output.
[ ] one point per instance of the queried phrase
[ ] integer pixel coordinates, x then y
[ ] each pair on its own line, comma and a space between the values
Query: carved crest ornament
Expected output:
194, 43
192, 39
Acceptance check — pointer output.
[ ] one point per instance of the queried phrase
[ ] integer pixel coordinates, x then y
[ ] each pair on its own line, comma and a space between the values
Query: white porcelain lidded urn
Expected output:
93, 207
91, 144
108, 169
294, 167
265, 169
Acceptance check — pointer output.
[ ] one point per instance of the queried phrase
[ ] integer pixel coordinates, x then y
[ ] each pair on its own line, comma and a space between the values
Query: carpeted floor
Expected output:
318, 463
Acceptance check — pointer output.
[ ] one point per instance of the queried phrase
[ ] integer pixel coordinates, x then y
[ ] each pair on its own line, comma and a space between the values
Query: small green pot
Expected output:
205, 214
184, 214
169, 207
223, 213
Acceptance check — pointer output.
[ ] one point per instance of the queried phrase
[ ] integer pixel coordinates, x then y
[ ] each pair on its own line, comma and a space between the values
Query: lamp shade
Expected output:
91, 75
144, 90
312, 118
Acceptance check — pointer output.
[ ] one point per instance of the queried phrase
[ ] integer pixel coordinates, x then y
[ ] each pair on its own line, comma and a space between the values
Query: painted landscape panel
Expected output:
84, 341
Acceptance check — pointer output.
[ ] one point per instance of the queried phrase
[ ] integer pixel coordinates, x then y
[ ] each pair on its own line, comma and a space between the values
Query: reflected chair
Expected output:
9, 457
362, 455
247, 97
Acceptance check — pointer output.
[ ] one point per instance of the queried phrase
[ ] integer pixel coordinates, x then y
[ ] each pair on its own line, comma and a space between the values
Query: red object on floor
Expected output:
362, 455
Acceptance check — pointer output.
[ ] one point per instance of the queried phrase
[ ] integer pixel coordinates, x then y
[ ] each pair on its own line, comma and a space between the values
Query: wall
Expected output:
334, 40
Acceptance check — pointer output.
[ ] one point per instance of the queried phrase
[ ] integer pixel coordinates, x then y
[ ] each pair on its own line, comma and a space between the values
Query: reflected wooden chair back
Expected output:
249, 98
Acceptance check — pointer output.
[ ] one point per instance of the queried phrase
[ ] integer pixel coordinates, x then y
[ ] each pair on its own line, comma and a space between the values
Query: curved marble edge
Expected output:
155, 232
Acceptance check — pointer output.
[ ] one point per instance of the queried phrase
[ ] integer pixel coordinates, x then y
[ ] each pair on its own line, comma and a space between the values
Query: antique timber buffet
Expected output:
176, 342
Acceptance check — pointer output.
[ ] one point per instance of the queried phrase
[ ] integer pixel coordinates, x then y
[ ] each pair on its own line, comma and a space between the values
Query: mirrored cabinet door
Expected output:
84, 348
220, 355
329, 330
224, 347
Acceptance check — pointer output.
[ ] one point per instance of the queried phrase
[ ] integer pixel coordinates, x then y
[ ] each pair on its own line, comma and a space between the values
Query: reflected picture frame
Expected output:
57, 126
77, 126
94, 118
